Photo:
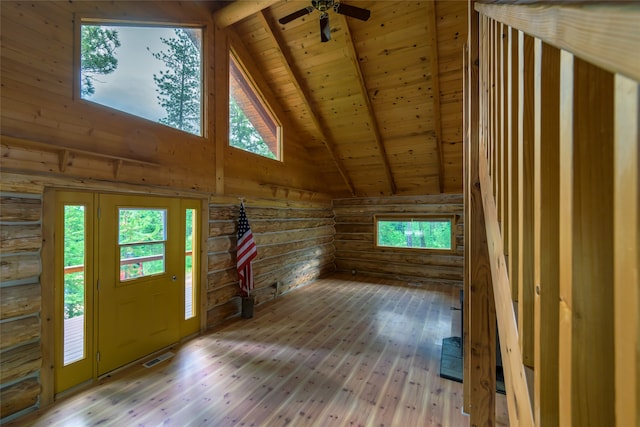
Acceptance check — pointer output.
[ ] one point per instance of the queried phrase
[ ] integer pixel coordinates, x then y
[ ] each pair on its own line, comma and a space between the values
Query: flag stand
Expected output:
247, 307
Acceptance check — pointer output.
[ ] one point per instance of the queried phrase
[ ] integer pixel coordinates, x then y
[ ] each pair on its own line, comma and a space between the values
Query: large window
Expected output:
154, 72
417, 232
252, 126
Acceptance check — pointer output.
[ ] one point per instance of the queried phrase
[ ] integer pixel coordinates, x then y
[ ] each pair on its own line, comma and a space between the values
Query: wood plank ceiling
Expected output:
379, 106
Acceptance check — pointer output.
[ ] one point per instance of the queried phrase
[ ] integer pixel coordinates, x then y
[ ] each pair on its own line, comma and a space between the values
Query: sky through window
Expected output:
131, 86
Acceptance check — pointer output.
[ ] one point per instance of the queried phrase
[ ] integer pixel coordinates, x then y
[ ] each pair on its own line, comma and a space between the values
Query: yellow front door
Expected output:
127, 275
141, 277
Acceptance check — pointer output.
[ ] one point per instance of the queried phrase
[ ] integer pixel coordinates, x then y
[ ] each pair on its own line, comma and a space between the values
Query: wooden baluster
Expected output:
546, 243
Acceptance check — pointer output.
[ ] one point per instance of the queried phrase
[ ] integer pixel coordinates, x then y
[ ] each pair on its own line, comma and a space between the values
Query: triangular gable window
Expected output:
252, 126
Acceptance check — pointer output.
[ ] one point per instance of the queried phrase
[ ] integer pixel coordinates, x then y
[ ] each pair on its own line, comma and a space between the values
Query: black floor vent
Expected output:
161, 358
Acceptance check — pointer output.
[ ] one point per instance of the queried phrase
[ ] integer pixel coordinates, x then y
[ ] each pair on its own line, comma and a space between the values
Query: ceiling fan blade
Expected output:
295, 15
325, 30
352, 11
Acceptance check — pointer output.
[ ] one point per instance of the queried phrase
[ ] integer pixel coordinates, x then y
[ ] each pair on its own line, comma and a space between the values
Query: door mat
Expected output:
161, 358
451, 363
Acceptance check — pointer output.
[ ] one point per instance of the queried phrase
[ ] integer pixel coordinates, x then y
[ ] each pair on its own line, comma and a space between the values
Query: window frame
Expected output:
452, 218
101, 20
258, 95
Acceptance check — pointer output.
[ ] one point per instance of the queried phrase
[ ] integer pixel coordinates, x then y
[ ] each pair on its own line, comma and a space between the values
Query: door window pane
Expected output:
141, 260
142, 235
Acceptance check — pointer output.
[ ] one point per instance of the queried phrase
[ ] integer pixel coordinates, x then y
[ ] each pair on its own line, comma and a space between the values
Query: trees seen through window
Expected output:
153, 72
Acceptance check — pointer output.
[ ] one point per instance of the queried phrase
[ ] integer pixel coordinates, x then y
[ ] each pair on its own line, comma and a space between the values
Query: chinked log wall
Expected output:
355, 246
20, 300
295, 246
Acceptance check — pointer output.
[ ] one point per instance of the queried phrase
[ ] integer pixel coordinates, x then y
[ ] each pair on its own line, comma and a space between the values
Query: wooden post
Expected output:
466, 326
546, 243
504, 148
481, 313
512, 245
525, 194
626, 285
491, 110
47, 313
497, 121
221, 104
587, 339
566, 235
593, 393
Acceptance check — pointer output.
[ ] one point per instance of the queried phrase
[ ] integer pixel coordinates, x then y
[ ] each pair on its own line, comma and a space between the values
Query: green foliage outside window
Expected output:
243, 135
419, 234
141, 225
179, 86
74, 252
97, 55
141, 233
189, 239
252, 126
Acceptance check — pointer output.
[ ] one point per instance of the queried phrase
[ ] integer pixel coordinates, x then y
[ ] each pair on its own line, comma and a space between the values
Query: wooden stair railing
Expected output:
552, 123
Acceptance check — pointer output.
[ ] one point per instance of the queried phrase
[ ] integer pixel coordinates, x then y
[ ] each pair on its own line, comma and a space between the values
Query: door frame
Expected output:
47, 277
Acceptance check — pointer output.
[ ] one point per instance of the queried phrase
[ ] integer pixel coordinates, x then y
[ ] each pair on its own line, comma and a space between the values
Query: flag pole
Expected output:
246, 252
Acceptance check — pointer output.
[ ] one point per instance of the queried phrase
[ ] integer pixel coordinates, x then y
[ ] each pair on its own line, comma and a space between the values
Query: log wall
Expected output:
20, 300
355, 244
295, 246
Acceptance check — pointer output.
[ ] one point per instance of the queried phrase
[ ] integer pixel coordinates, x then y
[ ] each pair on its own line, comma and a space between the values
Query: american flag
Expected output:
247, 251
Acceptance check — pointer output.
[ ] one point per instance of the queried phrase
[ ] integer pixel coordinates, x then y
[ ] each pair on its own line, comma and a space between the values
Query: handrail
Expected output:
606, 35
519, 399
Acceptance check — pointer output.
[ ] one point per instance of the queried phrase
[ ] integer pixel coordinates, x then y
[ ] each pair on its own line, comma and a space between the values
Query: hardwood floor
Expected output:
339, 352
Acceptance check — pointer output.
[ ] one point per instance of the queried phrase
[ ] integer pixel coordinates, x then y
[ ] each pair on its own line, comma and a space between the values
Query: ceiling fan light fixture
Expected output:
323, 6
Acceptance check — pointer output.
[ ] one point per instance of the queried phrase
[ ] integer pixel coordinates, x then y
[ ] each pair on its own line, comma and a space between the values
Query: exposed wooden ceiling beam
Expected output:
240, 9
435, 87
353, 56
288, 62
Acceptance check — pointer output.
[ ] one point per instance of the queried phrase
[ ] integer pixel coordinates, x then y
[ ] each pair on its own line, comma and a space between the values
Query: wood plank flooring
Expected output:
343, 351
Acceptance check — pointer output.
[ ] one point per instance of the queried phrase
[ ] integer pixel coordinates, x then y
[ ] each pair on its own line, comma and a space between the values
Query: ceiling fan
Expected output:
323, 6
